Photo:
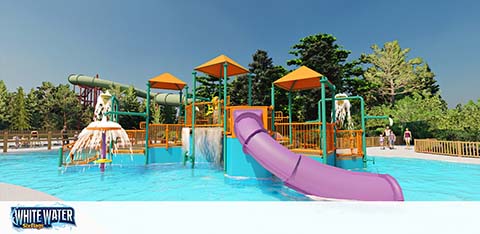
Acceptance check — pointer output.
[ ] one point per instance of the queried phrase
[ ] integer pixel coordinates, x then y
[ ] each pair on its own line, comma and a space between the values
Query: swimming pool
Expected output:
421, 180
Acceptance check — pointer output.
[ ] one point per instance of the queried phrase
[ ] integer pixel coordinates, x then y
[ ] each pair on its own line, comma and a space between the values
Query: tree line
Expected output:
390, 82
49, 107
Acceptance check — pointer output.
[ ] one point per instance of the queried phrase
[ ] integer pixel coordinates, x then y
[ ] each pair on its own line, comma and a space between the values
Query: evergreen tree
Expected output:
209, 86
129, 103
264, 73
34, 110
19, 118
4, 106
321, 53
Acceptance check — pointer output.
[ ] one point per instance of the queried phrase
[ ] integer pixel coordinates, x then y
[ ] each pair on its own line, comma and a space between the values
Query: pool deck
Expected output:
402, 152
11, 192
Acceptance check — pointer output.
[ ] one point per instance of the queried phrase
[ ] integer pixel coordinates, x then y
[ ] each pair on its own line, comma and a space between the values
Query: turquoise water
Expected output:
421, 180
160, 182
428, 180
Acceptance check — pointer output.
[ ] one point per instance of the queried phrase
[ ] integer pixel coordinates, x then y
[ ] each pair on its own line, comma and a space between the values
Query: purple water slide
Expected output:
306, 175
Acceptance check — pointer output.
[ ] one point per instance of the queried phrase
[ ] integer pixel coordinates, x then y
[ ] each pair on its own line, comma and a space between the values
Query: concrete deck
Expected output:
402, 152
11, 192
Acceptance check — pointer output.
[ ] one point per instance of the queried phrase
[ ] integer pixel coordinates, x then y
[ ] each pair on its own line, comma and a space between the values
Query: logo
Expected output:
42, 217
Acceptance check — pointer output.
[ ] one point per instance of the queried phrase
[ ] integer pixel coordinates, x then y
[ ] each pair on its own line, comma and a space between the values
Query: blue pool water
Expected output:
421, 180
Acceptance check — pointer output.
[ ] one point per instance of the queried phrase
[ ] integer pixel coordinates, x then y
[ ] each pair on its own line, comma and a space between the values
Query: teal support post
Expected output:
319, 106
249, 89
225, 67
180, 111
185, 103
290, 116
273, 107
60, 156
147, 121
364, 137
324, 126
192, 142
363, 119
334, 121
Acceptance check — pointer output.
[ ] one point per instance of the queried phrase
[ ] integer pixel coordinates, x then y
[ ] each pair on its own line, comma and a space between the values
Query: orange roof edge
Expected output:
214, 67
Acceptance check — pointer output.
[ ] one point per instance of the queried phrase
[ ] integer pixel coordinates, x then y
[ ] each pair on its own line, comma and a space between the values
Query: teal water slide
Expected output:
159, 98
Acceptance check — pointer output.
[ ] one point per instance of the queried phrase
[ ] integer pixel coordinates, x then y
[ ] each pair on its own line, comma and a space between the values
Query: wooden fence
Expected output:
30, 139
452, 148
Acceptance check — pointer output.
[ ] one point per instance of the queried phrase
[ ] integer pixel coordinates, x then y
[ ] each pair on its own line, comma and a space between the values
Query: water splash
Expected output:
208, 143
342, 112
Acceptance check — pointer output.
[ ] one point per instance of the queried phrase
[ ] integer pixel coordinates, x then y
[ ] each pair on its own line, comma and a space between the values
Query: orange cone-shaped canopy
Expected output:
301, 79
214, 67
167, 81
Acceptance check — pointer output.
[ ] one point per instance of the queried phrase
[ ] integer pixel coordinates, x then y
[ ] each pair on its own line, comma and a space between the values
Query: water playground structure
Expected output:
314, 158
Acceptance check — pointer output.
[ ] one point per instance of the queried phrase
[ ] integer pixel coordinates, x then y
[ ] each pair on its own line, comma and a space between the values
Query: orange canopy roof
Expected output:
300, 79
167, 81
214, 67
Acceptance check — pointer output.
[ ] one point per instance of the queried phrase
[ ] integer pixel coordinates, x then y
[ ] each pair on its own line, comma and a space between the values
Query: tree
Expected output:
34, 110
264, 74
129, 103
321, 53
418, 113
209, 86
46, 101
19, 118
392, 75
4, 106
460, 123
67, 108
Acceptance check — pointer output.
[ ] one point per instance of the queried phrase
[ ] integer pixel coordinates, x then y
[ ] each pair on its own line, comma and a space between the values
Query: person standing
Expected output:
64, 135
407, 136
391, 139
386, 133
382, 141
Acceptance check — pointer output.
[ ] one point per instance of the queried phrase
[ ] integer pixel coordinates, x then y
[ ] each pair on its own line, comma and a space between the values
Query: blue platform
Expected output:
240, 164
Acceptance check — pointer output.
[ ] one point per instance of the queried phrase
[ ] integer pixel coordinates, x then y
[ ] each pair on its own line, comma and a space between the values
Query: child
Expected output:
382, 140
391, 139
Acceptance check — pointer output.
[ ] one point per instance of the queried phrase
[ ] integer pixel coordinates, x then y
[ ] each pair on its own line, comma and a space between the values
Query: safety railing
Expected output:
305, 137
34, 139
206, 113
349, 143
451, 148
165, 135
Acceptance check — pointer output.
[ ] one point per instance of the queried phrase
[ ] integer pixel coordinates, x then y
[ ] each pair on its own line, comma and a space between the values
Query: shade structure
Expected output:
301, 79
214, 67
166, 81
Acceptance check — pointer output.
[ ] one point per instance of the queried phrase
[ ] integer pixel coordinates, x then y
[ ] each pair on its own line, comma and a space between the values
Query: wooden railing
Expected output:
28, 139
452, 148
349, 142
305, 136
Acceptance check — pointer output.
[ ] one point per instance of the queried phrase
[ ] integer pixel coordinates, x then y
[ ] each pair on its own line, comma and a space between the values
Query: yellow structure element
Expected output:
167, 81
302, 78
214, 67
102, 160
212, 107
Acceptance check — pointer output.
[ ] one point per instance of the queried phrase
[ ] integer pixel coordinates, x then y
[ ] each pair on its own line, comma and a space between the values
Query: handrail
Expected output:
451, 148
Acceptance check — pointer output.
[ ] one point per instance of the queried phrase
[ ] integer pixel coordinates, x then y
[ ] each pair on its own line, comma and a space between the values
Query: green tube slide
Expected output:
159, 98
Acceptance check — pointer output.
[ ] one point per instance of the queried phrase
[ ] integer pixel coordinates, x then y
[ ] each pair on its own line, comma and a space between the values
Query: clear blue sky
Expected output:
131, 41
